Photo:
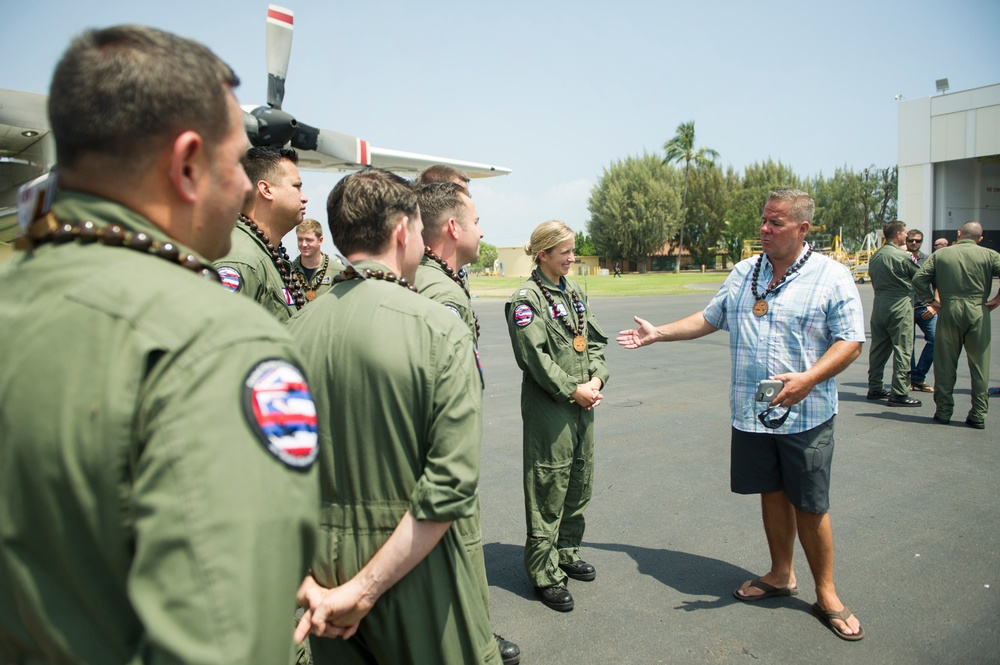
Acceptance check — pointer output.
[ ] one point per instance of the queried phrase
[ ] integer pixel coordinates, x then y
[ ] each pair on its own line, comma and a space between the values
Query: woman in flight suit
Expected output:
560, 348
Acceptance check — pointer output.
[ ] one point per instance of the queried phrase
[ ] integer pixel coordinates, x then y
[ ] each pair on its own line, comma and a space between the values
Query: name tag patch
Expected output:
280, 410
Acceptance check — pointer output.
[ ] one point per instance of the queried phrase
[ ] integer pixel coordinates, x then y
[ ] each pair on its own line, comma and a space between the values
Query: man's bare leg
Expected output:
780, 528
816, 536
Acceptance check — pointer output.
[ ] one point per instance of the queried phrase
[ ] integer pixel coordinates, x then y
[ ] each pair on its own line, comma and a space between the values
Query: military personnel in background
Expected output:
891, 269
560, 348
441, 173
315, 268
407, 427
963, 275
451, 235
155, 509
925, 318
258, 265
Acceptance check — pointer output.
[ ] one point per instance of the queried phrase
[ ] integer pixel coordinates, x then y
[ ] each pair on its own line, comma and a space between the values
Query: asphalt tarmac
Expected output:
915, 508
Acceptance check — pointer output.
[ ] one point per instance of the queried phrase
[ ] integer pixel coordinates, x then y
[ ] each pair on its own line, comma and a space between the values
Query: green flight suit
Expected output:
433, 282
963, 274
255, 273
891, 269
144, 516
322, 278
399, 400
558, 434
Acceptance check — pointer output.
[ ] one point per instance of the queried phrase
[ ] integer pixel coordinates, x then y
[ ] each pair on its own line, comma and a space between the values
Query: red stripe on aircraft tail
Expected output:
364, 152
279, 16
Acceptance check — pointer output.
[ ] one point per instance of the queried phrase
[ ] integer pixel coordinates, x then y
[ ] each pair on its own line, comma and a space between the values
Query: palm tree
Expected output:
682, 147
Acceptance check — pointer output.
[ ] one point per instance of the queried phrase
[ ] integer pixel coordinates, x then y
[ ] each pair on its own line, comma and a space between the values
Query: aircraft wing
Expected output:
342, 152
27, 150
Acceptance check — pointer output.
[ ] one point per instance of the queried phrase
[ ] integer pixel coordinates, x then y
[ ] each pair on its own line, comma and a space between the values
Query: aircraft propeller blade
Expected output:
323, 148
279, 50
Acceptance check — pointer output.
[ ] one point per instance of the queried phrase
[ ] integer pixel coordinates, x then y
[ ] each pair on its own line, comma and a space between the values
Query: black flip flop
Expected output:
827, 617
769, 591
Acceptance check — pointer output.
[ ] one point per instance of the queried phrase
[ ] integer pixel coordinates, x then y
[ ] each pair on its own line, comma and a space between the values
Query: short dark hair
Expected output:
363, 208
442, 173
121, 91
892, 229
438, 201
264, 163
915, 232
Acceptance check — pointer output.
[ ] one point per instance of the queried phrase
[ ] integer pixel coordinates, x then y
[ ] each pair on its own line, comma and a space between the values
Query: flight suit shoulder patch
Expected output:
454, 310
523, 315
280, 410
231, 278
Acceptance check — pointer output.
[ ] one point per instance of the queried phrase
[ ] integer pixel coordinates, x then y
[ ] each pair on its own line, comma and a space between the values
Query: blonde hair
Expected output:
546, 236
309, 225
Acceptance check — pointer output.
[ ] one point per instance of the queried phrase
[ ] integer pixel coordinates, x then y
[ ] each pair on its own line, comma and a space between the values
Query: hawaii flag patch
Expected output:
281, 411
523, 315
230, 278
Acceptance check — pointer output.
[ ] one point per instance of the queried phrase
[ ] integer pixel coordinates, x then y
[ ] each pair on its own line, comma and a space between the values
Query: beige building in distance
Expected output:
513, 262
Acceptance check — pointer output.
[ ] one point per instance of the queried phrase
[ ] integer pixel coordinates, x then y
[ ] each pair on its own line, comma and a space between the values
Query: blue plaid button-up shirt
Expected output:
815, 307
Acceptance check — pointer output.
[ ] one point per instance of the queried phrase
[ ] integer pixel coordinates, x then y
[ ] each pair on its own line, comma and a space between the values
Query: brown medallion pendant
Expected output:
760, 308
310, 295
580, 343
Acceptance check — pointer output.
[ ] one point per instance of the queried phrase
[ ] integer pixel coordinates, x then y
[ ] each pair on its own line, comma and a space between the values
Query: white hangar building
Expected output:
949, 163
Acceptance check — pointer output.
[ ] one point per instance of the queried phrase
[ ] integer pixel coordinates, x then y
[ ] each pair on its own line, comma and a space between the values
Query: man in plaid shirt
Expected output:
793, 316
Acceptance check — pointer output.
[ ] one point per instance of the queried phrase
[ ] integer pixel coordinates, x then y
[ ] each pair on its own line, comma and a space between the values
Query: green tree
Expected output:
487, 257
708, 201
584, 245
837, 206
681, 148
852, 204
634, 208
880, 191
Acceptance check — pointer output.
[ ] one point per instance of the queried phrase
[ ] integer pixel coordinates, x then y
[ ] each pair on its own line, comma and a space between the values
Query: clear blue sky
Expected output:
558, 90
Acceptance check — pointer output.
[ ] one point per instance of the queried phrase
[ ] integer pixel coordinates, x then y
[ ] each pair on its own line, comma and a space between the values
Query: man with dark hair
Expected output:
891, 269
451, 235
400, 447
441, 173
156, 507
925, 318
314, 267
258, 264
793, 317
963, 275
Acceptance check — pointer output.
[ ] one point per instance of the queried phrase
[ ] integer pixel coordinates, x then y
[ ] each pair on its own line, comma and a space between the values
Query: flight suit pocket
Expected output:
596, 333
550, 482
328, 555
